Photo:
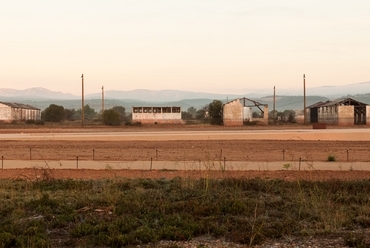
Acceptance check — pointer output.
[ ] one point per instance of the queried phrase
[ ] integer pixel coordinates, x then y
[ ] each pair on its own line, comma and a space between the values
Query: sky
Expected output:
194, 45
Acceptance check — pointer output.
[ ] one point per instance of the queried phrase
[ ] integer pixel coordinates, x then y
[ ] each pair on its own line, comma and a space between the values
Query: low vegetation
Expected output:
131, 212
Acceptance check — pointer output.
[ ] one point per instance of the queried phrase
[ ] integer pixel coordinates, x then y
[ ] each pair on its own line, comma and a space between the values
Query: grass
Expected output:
130, 212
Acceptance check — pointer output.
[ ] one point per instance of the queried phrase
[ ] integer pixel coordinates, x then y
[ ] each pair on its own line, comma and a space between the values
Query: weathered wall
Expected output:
5, 112
233, 113
346, 115
152, 118
328, 115
368, 115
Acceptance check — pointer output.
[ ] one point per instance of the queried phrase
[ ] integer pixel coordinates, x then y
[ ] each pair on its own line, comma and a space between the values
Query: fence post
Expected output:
283, 155
300, 163
151, 163
77, 161
221, 153
2, 162
93, 154
156, 153
224, 163
347, 156
30, 154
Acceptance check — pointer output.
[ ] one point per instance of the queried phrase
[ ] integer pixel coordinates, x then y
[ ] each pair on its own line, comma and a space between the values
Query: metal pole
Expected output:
83, 102
304, 99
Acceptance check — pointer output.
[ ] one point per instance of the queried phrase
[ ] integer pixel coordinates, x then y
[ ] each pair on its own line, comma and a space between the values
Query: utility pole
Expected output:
304, 99
102, 99
273, 115
83, 102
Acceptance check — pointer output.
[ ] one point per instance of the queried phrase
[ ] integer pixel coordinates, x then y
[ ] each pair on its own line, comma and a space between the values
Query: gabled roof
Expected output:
317, 105
344, 101
19, 105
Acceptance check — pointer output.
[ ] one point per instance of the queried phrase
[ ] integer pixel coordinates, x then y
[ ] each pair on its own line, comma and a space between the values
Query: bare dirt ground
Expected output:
200, 150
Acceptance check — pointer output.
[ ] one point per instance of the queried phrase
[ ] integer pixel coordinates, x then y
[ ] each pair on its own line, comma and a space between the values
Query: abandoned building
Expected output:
343, 112
240, 111
18, 111
157, 115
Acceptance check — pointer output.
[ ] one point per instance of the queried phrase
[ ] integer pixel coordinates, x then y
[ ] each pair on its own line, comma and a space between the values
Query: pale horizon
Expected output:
201, 46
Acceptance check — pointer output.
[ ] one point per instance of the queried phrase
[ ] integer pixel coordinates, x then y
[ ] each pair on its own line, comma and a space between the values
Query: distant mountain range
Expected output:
285, 98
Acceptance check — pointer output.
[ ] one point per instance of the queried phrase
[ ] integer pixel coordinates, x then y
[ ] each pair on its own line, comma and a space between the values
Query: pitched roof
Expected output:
344, 101
19, 105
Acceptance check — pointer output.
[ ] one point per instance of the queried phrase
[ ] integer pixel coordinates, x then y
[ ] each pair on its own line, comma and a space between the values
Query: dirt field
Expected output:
202, 150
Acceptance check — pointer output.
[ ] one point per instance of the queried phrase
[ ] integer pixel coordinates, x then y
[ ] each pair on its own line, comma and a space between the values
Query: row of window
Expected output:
156, 109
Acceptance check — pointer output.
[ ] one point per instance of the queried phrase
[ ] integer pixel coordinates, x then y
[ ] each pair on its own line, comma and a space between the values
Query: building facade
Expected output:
157, 115
237, 112
17, 111
343, 112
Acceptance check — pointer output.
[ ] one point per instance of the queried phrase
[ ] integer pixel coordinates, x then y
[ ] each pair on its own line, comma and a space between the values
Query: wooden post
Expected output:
156, 153
2, 162
304, 100
77, 161
283, 154
300, 163
30, 154
224, 163
347, 155
83, 102
151, 163
221, 153
93, 154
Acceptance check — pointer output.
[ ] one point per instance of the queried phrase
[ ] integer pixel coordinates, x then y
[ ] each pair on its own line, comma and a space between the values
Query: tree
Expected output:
186, 115
89, 113
122, 112
53, 113
70, 114
111, 117
192, 111
214, 111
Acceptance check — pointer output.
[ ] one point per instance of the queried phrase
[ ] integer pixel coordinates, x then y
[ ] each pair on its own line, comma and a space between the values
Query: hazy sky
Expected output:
196, 45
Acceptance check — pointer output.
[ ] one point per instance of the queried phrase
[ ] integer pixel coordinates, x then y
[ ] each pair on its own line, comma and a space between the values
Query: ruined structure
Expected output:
239, 111
18, 111
343, 112
157, 115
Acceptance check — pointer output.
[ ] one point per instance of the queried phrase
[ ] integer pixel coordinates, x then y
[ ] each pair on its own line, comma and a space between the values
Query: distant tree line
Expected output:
56, 113
210, 113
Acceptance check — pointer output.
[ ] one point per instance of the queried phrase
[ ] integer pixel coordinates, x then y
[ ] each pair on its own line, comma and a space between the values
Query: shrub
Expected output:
111, 118
331, 158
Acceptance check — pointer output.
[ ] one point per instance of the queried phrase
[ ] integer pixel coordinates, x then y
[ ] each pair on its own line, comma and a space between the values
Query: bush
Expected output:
111, 118
331, 158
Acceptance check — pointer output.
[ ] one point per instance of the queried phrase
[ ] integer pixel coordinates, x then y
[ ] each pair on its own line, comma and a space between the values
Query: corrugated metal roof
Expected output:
19, 105
317, 105
345, 101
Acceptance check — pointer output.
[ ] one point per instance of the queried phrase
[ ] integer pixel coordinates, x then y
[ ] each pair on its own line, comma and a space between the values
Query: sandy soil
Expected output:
190, 150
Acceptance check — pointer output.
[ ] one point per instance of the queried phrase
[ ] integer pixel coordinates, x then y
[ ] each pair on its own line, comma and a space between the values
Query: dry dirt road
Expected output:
181, 149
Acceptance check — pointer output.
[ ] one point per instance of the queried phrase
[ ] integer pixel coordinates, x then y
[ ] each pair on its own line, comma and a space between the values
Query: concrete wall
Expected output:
5, 112
8, 113
346, 115
328, 115
149, 115
233, 113
368, 115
